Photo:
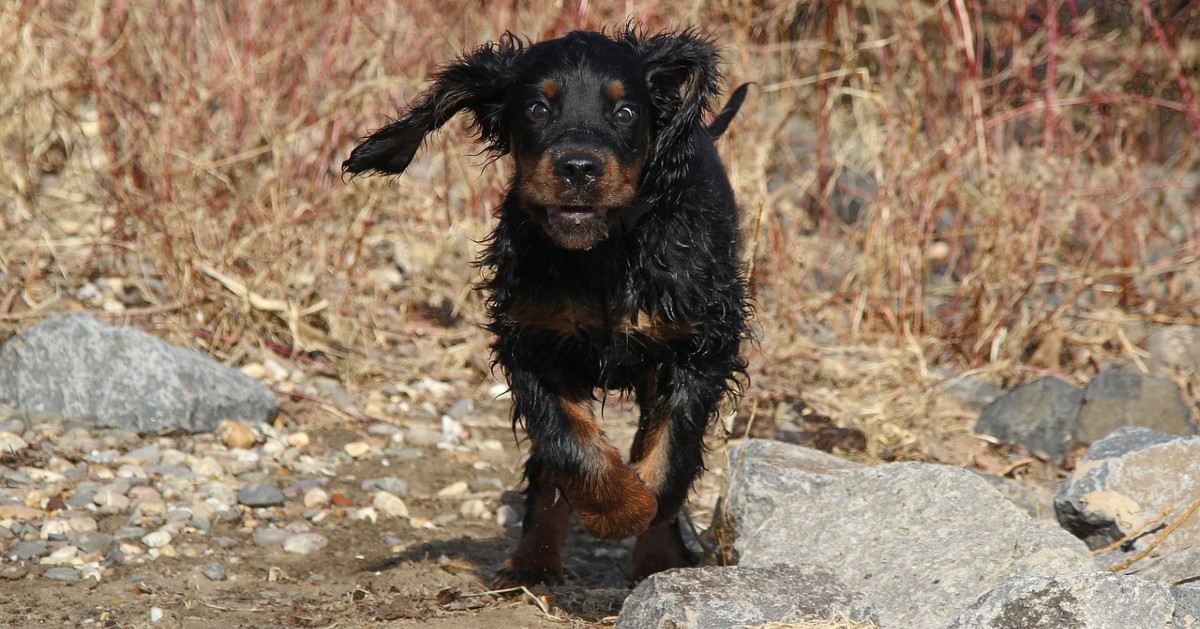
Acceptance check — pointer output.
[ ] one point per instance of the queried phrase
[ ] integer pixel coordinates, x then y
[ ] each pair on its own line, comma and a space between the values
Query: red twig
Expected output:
1185, 91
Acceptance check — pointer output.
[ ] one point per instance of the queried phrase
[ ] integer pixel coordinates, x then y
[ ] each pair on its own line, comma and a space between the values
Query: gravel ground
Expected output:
315, 521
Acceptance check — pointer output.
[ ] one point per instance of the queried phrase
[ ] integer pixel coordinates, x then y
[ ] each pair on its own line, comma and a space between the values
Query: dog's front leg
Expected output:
676, 402
538, 557
565, 440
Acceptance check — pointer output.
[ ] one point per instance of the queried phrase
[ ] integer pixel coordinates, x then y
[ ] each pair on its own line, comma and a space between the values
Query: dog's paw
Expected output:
627, 509
660, 548
514, 574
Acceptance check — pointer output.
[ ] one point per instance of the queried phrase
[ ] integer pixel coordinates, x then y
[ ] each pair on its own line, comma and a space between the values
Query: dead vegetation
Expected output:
1005, 188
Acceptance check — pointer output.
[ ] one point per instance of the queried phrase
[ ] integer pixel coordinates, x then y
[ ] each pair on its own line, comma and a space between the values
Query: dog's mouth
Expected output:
577, 227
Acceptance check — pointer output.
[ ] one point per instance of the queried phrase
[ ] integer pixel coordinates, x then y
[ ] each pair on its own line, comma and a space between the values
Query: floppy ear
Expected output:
476, 82
681, 70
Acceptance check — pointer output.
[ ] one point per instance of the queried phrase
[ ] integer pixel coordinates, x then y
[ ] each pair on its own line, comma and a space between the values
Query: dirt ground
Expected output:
381, 574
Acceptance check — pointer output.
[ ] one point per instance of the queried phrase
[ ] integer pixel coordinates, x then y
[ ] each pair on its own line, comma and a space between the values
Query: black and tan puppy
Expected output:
614, 265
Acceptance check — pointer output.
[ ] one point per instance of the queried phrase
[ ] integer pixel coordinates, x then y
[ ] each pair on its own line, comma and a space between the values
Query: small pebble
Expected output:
358, 449
62, 574
390, 484
260, 495
156, 539
145, 455
454, 489
389, 505
215, 572
367, 513
28, 550
208, 467
475, 509
270, 537
298, 440
12, 572
64, 556
129, 532
422, 436
507, 516
92, 541
156, 614
236, 435
316, 497
305, 543
10, 442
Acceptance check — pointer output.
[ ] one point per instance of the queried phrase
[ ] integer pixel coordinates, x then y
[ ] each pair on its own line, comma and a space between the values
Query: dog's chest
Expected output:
592, 320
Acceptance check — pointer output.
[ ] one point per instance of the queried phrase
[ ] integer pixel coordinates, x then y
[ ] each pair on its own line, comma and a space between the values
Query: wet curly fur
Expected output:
614, 265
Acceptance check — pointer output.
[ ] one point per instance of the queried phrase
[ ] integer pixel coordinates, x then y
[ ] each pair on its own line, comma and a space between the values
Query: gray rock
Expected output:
83, 495
1187, 605
305, 543
126, 533
62, 574
215, 572
92, 541
765, 473
1036, 499
1127, 479
76, 366
260, 495
715, 597
28, 550
1097, 600
148, 454
883, 530
1177, 565
390, 484
1122, 397
270, 537
1040, 415
422, 436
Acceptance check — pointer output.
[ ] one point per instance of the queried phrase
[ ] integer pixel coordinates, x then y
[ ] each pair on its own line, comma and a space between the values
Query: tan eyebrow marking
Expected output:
616, 90
550, 88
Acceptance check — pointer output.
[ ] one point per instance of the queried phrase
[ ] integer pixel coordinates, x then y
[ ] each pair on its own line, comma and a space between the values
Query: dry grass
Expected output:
973, 185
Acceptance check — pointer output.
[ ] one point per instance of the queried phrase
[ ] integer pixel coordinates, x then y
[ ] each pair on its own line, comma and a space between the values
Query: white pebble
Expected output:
64, 556
459, 488
507, 516
156, 539
255, 370
316, 497
367, 513
358, 449
298, 440
156, 614
11, 443
390, 505
206, 466
475, 509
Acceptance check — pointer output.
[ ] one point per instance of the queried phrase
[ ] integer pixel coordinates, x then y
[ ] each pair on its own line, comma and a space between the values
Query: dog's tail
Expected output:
721, 122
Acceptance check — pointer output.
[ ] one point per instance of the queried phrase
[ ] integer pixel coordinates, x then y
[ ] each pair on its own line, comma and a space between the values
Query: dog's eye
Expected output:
624, 115
538, 111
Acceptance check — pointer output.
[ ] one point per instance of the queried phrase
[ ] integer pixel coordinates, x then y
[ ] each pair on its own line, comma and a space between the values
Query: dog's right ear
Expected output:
477, 82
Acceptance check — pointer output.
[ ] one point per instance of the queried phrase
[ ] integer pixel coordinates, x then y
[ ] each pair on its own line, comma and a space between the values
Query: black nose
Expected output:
579, 169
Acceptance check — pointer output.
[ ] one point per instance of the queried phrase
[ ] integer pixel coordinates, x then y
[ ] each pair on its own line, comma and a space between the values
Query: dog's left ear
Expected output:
681, 71
477, 82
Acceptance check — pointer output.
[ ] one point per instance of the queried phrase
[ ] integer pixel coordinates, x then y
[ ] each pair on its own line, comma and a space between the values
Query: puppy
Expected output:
614, 265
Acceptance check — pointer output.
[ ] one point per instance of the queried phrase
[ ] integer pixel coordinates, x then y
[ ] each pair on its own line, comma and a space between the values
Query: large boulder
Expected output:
716, 597
75, 366
1095, 600
921, 541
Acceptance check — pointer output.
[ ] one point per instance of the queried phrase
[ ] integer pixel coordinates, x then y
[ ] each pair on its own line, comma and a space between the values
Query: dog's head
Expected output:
596, 124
